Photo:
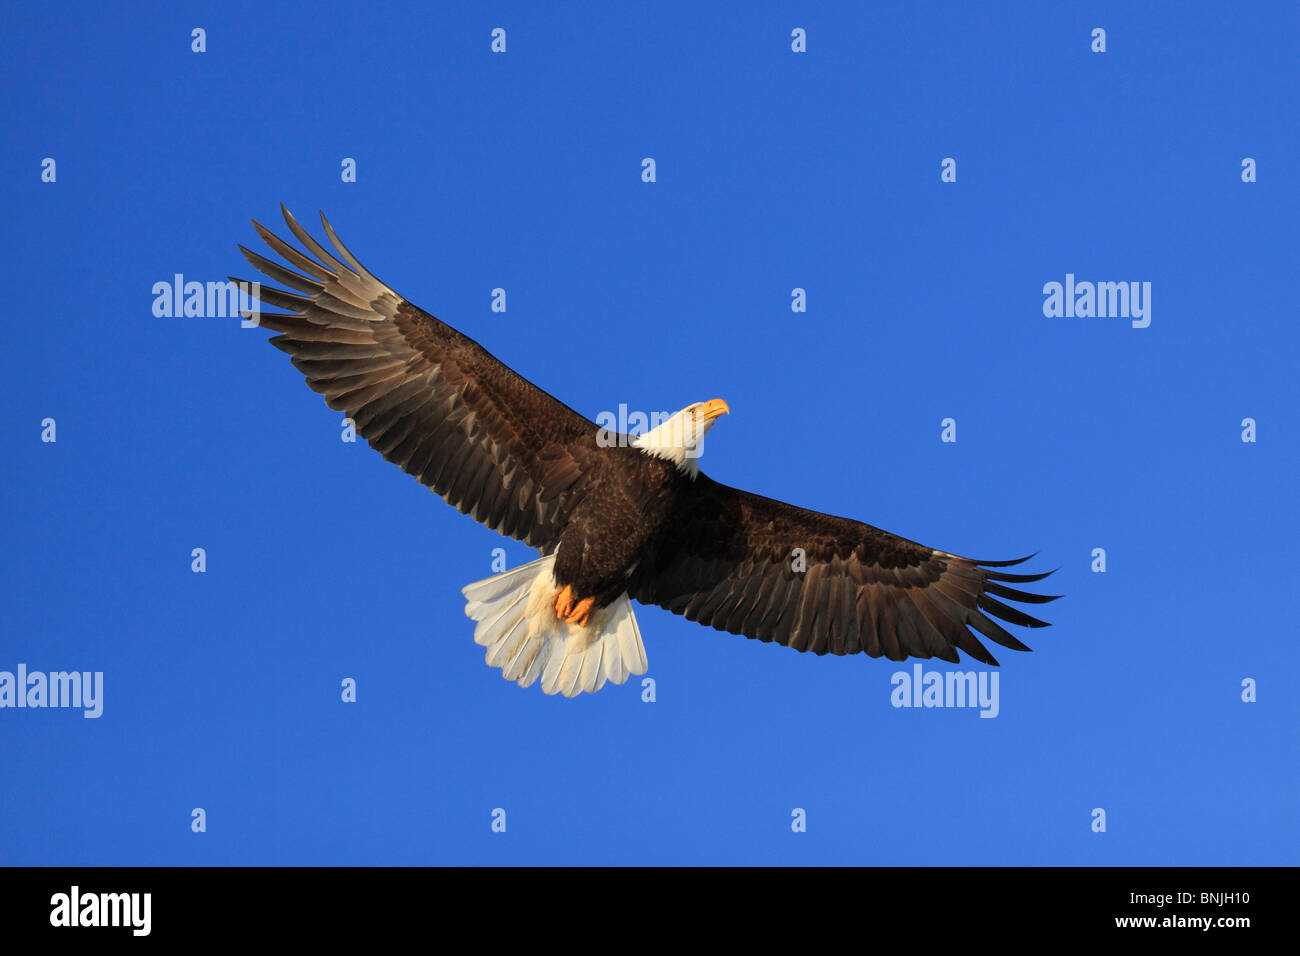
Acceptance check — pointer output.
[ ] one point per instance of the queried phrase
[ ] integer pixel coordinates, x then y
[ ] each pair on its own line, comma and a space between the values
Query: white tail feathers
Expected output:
516, 619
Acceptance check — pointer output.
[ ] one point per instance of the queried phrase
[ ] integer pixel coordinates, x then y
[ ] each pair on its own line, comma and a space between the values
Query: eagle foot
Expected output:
581, 611
571, 611
564, 602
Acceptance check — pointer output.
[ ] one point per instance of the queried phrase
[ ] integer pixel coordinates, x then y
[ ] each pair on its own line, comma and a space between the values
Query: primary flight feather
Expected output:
616, 518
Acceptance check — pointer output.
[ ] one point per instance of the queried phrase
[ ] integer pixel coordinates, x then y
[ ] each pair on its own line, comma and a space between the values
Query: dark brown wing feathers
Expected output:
750, 565
429, 399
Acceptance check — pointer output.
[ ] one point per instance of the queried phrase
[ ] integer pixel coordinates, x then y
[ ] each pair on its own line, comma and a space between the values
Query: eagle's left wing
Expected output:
428, 398
750, 565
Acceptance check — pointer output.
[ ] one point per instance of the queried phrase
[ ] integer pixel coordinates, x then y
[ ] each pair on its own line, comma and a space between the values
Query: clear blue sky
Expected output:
775, 170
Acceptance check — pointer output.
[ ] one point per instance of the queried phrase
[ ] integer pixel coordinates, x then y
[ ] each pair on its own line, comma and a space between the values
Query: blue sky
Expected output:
775, 170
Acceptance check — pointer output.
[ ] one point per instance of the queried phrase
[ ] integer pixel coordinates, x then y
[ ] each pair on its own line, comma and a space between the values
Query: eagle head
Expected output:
680, 439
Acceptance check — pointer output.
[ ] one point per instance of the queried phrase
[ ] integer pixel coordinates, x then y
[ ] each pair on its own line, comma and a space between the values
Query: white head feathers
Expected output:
681, 438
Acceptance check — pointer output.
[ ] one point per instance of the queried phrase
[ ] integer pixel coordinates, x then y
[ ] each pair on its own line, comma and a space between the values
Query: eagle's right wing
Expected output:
429, 399
755, 566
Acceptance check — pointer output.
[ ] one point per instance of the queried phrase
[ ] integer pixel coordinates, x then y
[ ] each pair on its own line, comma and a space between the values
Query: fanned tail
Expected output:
515, 611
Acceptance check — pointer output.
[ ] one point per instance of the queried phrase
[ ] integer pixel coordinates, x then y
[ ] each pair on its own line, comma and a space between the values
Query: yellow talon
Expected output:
564, 603
581, 611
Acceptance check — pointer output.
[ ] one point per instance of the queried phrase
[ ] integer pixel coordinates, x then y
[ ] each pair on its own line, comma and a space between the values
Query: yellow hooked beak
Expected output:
714, 408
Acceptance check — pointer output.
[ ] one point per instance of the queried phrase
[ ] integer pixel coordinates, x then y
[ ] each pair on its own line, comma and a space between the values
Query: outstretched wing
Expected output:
426, 397
750, 565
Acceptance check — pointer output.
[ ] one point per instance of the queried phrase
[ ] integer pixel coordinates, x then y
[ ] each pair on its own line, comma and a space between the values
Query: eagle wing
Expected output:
429, 399
750, 565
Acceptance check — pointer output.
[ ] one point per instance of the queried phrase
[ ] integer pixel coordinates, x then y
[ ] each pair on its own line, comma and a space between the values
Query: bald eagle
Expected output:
615, 517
